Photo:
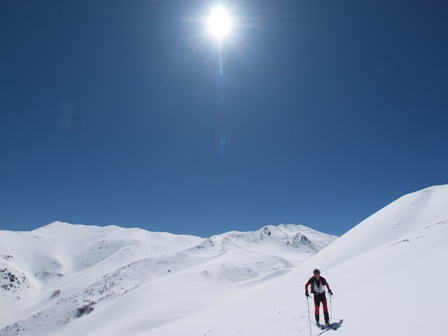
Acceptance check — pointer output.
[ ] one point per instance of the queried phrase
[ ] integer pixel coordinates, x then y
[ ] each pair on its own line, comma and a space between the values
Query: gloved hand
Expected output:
307, 294
330, 292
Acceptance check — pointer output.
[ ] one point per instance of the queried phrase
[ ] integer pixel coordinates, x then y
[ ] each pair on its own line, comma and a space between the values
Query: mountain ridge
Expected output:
74, 269
253, 283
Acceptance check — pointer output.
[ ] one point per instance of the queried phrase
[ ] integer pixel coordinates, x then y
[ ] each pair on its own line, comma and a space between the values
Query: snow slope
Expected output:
76, 279
390, 269
387, 274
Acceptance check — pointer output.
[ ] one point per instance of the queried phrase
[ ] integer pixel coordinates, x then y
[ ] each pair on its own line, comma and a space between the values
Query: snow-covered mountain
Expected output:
387, 275
58, 278
384, 274
387, 268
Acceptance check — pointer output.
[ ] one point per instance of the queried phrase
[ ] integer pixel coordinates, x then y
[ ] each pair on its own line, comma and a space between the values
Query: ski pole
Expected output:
331, 309
309, 318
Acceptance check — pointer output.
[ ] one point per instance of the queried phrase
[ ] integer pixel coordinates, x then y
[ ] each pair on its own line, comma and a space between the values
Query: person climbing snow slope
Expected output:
318, 285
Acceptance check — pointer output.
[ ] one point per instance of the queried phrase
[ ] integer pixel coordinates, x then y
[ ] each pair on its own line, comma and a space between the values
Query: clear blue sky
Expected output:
111, 112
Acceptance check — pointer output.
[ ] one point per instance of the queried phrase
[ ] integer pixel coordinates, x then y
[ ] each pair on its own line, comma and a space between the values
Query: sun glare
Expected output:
219, 23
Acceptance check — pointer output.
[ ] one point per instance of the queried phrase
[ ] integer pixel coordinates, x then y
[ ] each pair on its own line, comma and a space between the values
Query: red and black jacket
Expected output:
317, 287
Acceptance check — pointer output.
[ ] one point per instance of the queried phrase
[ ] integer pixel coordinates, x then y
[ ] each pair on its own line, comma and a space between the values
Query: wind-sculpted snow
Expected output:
405, 219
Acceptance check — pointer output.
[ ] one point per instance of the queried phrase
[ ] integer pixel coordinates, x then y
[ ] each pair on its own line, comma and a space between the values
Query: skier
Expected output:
317, 284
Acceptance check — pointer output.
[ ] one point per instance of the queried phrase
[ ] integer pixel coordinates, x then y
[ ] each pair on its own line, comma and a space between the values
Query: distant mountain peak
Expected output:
78, 267
155, 284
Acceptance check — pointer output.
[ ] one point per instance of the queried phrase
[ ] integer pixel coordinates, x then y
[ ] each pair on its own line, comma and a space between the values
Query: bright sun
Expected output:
219, 23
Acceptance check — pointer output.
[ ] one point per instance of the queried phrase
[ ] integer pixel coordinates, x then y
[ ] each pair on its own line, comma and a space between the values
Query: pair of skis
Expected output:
326, 327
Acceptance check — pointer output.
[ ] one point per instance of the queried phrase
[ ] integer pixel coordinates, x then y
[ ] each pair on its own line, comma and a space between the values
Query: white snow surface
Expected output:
65, 279
71, 280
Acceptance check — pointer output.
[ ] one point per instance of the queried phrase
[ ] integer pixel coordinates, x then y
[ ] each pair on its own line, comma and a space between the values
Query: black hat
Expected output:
316, 271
